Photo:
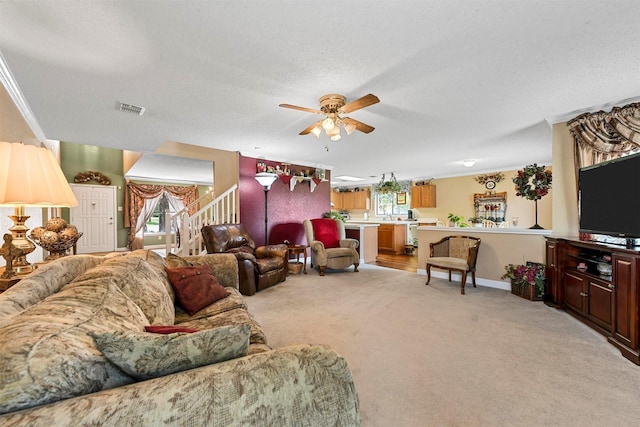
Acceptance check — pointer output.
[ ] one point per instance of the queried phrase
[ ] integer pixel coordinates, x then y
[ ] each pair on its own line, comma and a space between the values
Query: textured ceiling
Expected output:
456, 79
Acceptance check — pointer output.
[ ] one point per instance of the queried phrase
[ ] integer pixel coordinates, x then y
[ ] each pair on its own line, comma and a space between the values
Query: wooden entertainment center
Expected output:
599, 284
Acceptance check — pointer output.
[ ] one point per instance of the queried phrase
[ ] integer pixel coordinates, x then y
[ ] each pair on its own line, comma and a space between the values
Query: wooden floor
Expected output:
399, 262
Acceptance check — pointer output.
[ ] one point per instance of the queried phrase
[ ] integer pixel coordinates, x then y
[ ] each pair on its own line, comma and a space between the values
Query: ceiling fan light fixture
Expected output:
333, 131
316, 131
349, 127
336, 137
328, 124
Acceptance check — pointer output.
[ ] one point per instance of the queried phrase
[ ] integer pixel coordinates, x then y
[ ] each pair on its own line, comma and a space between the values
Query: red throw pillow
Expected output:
162, 329
195, 287
326, 231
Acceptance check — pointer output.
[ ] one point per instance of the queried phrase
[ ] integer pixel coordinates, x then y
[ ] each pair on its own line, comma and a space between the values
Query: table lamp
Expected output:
30, 177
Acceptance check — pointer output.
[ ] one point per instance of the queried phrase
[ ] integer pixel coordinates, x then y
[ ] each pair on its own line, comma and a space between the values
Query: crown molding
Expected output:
14, 91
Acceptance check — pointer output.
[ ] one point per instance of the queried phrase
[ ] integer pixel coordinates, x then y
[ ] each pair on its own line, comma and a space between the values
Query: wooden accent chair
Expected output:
329, 246
454, 253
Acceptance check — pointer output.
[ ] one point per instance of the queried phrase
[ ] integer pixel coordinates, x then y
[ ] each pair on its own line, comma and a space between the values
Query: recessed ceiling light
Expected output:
348, 178
468, 163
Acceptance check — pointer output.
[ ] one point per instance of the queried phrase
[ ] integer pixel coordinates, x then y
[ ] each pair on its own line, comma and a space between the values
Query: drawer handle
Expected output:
582, 294
611, 286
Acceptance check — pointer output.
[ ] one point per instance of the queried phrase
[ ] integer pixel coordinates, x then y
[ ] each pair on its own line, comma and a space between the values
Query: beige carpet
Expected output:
428, 356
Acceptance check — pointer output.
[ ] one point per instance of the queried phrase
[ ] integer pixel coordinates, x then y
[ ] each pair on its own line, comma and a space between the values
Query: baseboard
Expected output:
497, 284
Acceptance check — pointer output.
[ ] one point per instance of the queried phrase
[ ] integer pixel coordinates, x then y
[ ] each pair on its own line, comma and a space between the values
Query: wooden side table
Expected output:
297, 250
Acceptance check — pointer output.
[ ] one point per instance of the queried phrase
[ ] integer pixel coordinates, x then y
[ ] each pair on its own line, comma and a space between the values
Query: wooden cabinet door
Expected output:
416, 196
600, 301
361, 200
552, 292
336, 199
428, 196
574, 292
385, 237
625, 318
348, 201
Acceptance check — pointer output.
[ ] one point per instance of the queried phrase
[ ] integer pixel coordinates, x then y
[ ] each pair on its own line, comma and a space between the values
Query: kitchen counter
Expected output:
367, 234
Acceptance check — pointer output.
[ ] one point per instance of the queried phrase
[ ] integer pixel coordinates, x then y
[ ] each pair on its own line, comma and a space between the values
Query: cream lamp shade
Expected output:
30, 177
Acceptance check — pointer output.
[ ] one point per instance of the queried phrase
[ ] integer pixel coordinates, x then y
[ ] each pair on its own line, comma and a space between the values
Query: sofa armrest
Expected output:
295, 385
271, 251
349, 243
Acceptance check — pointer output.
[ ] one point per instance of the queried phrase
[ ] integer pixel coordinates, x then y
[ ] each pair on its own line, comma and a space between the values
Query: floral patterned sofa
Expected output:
88, 340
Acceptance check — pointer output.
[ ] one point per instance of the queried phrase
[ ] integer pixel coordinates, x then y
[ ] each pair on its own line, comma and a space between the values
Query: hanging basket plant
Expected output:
390, 186
533, 182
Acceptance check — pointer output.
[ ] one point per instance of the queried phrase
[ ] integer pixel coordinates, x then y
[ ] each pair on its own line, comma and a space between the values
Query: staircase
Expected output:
188, 239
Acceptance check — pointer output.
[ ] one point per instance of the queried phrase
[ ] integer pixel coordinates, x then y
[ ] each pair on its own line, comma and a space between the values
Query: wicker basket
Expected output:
58, 249
525, 290
295, 267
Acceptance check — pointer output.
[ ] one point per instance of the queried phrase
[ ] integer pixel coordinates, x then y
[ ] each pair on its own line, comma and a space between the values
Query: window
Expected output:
387, 204
156, 223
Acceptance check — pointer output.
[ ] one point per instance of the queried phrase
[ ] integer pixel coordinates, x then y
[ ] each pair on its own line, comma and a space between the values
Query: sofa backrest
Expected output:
220, 238
45, 281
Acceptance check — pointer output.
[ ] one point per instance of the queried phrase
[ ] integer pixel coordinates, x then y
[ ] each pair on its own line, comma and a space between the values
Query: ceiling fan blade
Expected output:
362, 127
365, 101
295, 107
307, 130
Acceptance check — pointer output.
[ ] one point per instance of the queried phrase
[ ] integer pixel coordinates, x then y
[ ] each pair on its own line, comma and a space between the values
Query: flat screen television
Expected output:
609, 195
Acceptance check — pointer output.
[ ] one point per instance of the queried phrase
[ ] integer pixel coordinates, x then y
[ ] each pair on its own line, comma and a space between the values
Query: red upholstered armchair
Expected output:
329, 247
259, 267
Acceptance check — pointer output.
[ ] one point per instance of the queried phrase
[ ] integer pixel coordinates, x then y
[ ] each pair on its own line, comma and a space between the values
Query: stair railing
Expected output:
188, 240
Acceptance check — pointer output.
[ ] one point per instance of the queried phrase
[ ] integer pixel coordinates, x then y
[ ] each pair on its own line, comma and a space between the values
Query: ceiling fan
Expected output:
334, 106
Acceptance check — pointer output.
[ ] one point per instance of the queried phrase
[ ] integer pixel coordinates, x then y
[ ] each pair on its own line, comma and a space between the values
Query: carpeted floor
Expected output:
428, 356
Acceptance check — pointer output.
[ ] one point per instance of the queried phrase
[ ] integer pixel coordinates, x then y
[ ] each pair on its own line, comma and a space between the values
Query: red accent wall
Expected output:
286, 209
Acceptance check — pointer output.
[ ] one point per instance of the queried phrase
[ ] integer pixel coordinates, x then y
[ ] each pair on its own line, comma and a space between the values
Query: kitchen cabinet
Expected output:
351, 200
392, 238
423, 196
336, 200
599, 285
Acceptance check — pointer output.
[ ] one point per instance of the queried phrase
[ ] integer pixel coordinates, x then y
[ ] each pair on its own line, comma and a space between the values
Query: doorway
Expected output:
95, 216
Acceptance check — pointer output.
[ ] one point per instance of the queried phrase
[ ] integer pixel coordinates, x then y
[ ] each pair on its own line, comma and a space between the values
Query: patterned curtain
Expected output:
142, 201
603, 136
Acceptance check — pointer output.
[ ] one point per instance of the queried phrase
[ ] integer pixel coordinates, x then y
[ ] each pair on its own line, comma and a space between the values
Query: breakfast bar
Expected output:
499, 247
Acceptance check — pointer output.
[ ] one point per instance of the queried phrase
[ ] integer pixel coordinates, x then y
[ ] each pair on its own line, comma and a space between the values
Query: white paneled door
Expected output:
95, 217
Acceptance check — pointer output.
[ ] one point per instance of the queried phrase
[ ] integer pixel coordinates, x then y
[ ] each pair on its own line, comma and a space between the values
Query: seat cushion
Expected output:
339, 252
448, 262
325, 230
265, 265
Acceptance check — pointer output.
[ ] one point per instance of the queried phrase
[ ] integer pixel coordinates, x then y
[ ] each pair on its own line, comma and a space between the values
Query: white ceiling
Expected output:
456, 79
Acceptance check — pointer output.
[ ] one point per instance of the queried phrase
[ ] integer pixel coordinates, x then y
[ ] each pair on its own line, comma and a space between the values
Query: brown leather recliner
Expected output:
259, 267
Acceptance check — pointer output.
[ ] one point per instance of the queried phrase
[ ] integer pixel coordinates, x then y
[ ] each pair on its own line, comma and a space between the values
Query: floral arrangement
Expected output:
495, 177
531, 273
533, 182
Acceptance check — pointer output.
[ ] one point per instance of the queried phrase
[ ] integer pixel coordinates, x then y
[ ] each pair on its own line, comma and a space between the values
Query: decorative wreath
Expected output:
533, 182
495, 177
91, 176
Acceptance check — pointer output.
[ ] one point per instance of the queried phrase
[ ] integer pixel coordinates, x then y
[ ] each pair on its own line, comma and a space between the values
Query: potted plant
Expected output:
334, 215
527, 280
391, 186
455, 220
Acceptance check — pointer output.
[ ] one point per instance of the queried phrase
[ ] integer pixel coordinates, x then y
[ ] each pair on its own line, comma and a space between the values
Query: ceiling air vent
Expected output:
129, 108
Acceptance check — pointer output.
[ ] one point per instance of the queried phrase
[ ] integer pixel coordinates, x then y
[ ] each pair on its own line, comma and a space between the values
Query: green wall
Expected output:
76, 158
